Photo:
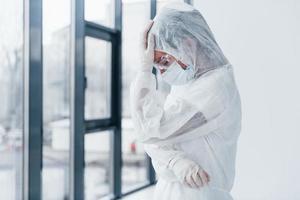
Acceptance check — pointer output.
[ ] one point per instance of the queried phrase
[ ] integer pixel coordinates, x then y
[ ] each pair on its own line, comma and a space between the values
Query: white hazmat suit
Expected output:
191, 127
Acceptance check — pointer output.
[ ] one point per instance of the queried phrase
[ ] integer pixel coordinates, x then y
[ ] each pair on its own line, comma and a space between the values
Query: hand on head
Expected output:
147, 49
158, 58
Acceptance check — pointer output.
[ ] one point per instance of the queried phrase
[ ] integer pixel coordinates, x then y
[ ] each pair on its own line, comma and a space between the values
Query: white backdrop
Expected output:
261, 38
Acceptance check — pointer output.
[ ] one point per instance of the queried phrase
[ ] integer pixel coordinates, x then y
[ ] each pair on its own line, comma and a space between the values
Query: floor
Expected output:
145, 194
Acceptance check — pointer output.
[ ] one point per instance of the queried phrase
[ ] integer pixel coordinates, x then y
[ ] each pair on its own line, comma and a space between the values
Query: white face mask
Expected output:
176, 75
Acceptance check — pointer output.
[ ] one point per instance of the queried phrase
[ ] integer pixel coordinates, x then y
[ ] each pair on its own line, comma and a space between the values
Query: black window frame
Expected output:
33, 100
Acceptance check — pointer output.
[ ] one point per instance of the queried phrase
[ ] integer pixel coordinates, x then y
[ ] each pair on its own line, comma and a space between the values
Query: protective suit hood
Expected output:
180, 30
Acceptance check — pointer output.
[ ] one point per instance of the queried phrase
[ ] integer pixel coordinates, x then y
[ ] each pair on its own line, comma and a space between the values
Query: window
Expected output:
11, 101
98, 73
65, 128
56, 98
98, 165
100, 12
134, 170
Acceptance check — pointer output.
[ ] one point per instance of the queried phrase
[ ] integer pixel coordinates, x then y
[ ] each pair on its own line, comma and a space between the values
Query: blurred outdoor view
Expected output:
56, 97
11, 77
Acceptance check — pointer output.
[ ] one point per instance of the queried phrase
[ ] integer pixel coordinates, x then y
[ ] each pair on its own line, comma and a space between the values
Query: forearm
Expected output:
163, 155
147, 105
161, 158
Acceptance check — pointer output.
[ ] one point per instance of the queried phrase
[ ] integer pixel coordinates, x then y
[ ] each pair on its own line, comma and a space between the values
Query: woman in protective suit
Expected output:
188, 115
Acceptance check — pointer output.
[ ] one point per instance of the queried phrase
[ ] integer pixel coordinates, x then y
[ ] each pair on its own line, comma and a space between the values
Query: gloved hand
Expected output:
147, 49
189, 173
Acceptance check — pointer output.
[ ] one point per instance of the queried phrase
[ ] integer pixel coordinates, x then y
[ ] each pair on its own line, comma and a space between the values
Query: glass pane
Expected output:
134, 170
98, 73
100, 12
56, 99
98, 165
11, 101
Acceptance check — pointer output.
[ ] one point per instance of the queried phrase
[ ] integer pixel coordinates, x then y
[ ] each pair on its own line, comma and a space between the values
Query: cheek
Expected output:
162, 71
157, 56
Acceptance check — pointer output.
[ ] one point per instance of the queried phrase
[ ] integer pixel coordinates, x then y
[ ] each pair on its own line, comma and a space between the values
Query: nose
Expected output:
165, 62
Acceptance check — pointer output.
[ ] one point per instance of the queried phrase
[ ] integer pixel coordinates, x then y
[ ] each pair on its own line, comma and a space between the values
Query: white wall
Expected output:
261, 39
